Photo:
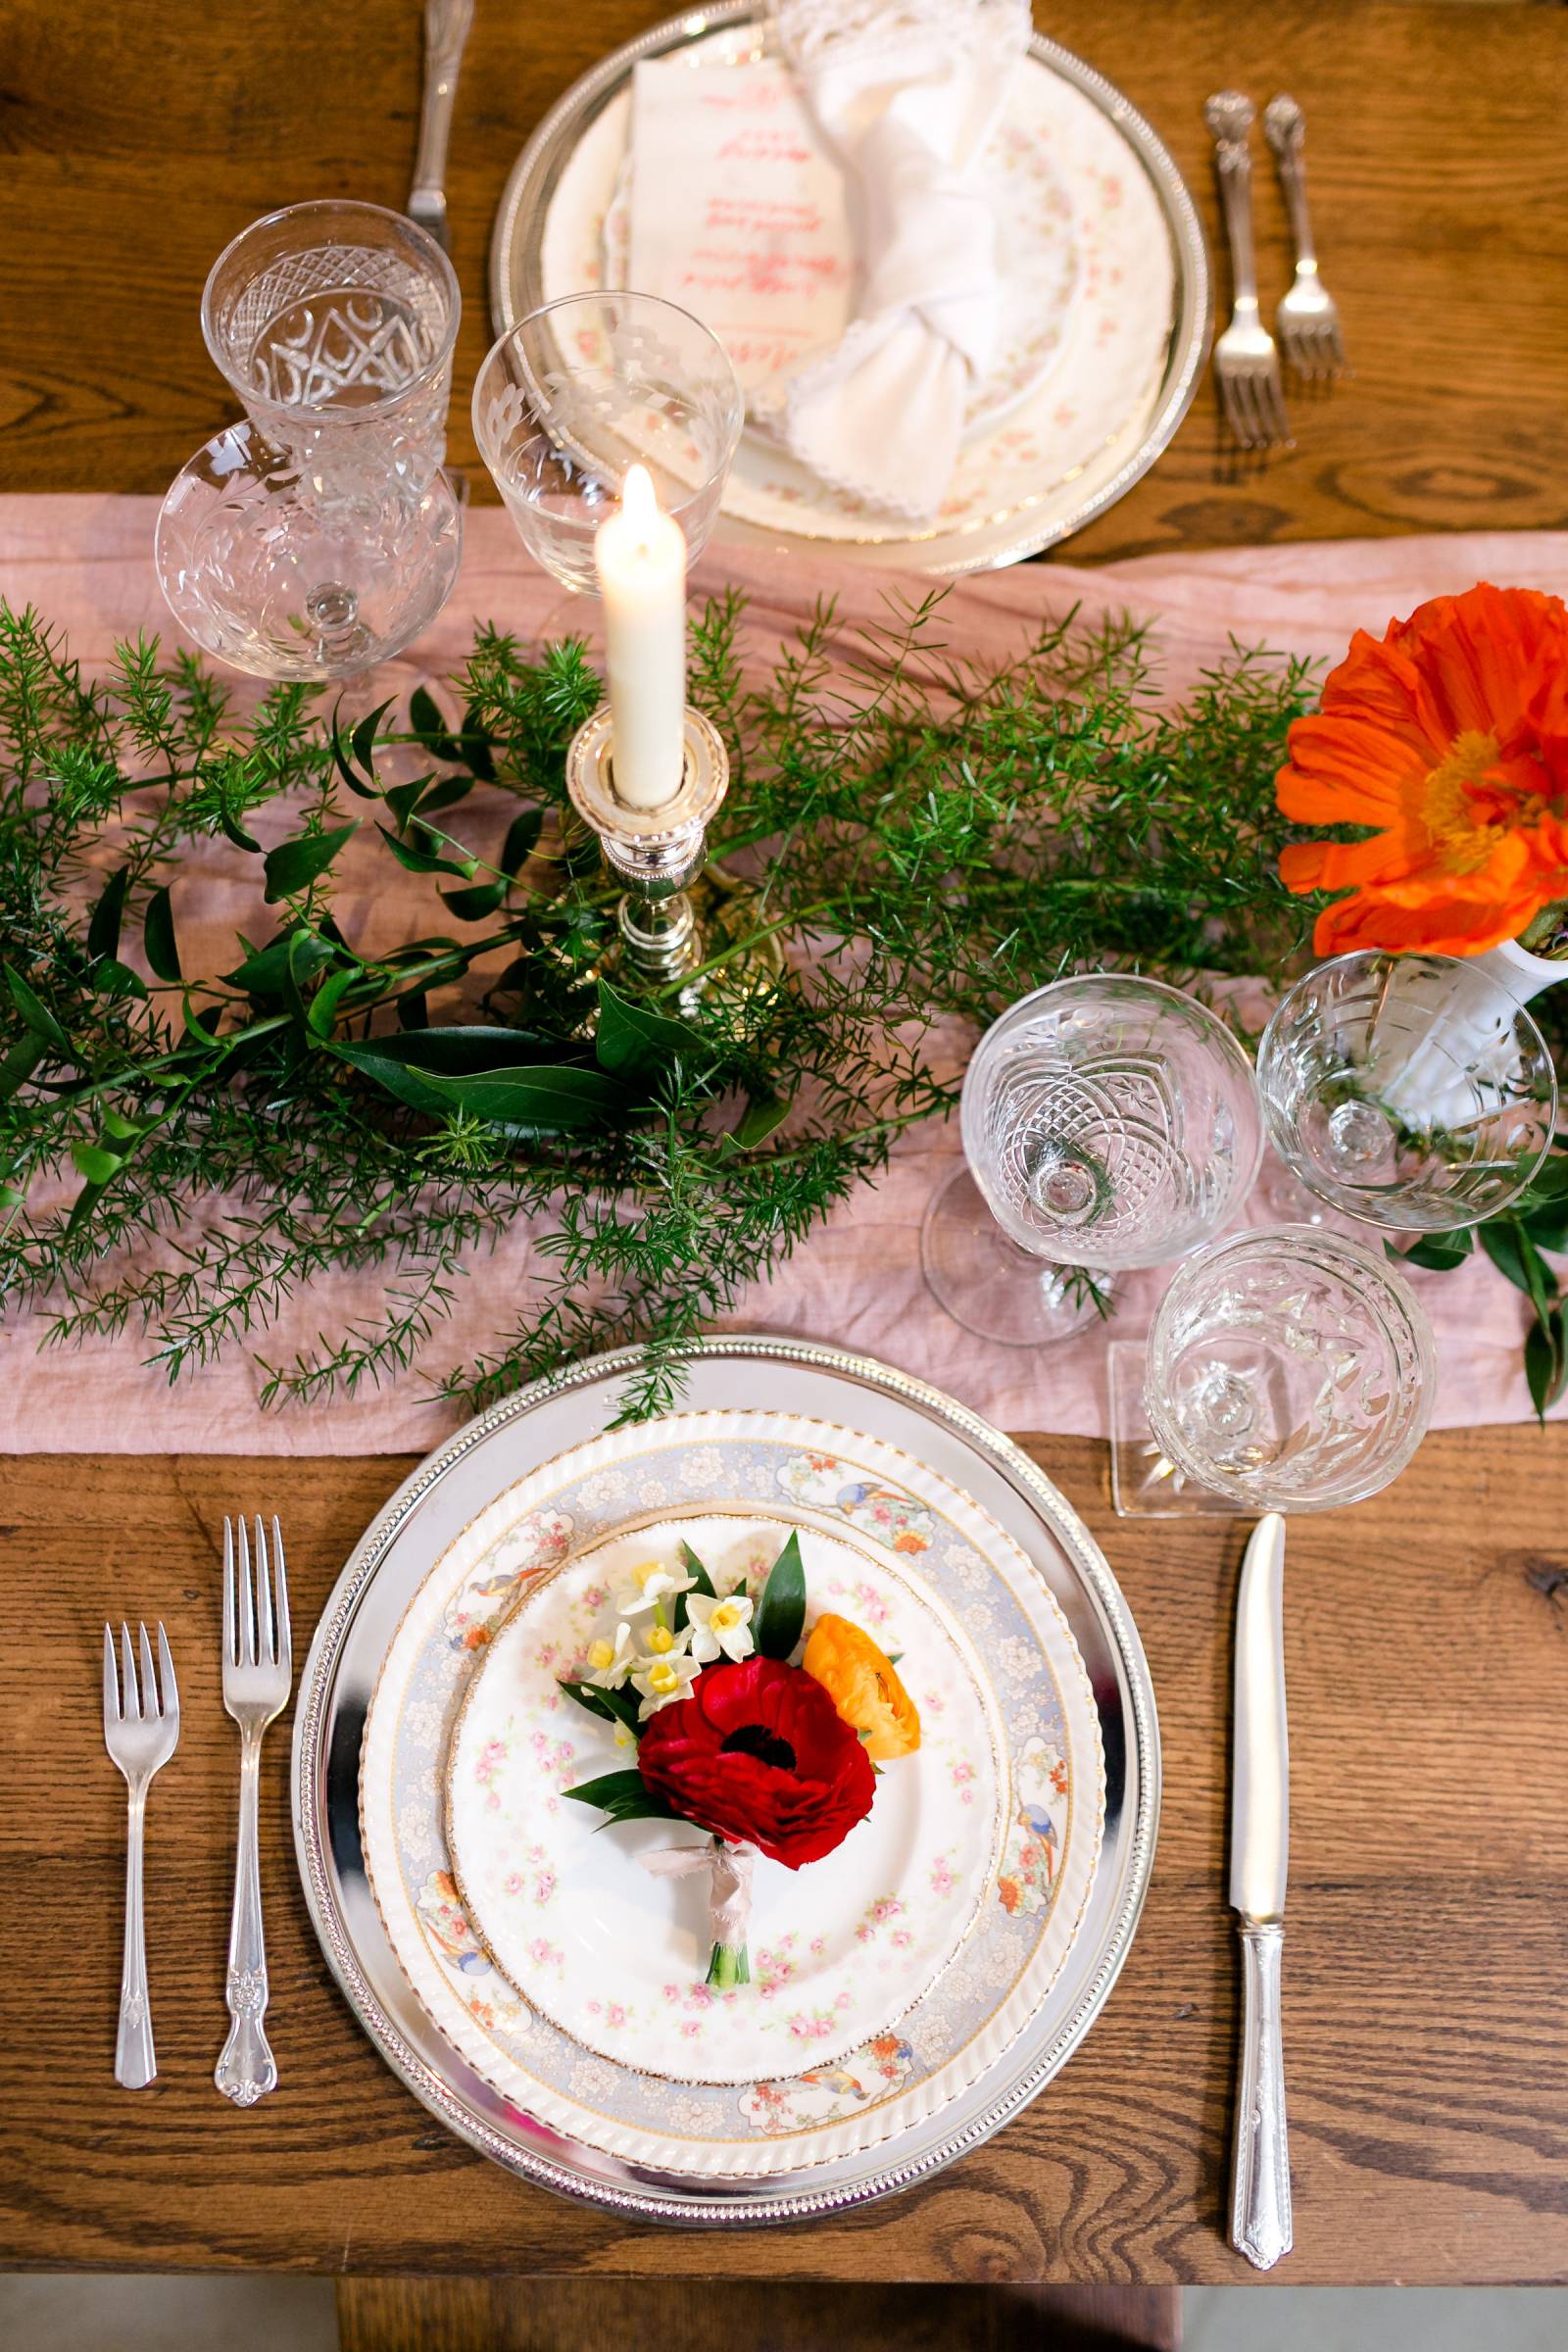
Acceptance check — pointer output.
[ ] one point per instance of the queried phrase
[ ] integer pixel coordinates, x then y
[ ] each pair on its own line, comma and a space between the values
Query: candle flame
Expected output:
639, 501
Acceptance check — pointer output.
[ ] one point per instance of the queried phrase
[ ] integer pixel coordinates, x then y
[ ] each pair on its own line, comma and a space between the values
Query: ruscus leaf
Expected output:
295, 865
633, 1038
103, 928
781, 1612
159, 944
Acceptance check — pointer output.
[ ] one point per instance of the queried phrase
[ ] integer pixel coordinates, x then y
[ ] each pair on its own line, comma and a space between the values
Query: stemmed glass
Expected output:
586, 387
321, 535
1108, 1122
1410, 1092
1290, 1370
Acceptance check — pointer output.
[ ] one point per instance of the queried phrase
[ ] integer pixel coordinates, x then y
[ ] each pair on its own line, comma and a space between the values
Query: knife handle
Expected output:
1260, 2194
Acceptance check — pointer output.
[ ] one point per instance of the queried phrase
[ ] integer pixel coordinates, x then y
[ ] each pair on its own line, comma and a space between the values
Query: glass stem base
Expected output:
993, 1286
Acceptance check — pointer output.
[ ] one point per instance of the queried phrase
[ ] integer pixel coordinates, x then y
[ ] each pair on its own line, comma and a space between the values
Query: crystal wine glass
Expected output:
1290, 1370
1108, 1122
1409, 1091
323, 536
586, 387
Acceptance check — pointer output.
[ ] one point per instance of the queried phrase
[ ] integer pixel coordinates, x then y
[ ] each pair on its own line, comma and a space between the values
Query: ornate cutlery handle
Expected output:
135, 2061
247, 2068
1285, 128
1260, 2196
446, 30
1229, 116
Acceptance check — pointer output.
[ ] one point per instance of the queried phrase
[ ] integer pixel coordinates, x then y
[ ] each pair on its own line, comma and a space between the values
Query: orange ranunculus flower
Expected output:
860, 1680
1451, 738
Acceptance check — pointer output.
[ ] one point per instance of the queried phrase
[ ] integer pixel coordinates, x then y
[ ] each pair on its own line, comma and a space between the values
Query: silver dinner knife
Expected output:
1260, 1817
446, 30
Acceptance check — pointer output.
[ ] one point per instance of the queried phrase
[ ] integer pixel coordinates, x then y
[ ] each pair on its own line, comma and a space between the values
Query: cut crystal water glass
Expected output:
323, 536
1410, 1092
583, 389
1108, 1122
1290, 1370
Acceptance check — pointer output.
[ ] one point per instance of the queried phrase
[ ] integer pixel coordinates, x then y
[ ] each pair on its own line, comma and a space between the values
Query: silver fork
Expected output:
446, 31
141, 1732
257, 1672
1246, 360
1307, 319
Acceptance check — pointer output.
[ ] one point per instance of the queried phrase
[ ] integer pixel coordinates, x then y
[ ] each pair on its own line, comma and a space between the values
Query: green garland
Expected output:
930, 838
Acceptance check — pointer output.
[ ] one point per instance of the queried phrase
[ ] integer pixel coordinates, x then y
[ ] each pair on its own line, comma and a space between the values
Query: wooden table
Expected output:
1433, 146
1426, 1965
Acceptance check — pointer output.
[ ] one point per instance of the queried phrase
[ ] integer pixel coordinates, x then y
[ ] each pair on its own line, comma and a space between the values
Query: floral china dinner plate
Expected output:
615, 1958
986, 1636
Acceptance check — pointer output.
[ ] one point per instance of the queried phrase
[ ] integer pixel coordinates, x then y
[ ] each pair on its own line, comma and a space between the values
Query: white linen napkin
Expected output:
905, 93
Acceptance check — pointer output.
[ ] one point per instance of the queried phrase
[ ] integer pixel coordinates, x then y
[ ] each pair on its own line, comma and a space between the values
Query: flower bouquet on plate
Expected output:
770, 1757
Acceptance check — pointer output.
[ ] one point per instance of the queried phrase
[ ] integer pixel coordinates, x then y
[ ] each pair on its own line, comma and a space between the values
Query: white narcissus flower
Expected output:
609, 1657
720, 1625
657, 1641
643, 1588
662, 1681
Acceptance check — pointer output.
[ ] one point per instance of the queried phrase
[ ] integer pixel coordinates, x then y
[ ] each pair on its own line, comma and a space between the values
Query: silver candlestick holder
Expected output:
657, 853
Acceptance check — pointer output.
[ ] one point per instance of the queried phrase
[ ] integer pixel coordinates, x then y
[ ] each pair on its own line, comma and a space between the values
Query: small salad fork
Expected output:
1307, 319
257, 1672
141, 1732
1246, 360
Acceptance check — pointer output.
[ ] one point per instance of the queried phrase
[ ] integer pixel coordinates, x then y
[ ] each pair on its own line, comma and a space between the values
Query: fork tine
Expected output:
230, 1653
1230, 400
131, 1696
247, 1602
149, 1679
110, 1678
1249, 427
1271, 405
166, 1678
264, 1598
286, 1651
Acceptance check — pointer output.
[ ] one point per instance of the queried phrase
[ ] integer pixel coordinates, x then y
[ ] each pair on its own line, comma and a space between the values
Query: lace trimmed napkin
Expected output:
735, 200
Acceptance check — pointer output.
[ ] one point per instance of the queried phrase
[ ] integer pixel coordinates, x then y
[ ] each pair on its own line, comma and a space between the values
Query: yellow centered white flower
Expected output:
662, 1681
720, 1623
660, 1639
642, 1587
610, 1655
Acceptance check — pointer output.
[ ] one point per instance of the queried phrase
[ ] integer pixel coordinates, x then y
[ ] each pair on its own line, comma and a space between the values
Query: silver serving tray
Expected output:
432, 1507
516, 285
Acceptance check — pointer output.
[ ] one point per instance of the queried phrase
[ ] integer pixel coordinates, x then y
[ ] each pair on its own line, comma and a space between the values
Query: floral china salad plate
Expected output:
615, 1956
572, 1978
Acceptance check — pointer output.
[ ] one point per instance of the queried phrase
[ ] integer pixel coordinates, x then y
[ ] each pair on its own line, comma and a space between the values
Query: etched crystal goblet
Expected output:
1290, 1370
1410, 1092
321, 535
580, 391
1108, 1122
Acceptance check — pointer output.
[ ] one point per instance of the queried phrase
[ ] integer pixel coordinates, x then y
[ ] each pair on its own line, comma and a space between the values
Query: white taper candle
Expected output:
640, 558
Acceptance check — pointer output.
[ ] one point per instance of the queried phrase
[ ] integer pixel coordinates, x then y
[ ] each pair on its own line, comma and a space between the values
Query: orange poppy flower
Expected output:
859, 1679
1450, 739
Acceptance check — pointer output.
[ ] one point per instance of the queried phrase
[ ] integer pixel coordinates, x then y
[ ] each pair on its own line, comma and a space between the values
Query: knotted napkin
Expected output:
906, 94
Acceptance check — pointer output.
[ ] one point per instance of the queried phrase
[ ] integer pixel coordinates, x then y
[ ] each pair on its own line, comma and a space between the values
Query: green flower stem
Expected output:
728, 1965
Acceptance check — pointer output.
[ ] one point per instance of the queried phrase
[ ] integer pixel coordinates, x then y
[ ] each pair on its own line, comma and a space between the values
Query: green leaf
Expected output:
236, 831
37, 1015
83, 1206
362, 739
762, 1116
444, 793
702, 1582
623, 1796
613, 1706
425, 721
112, 978
634, 1038
1442, 1251
1546, 1224
19, 1064
124, 1130
1547, 1359
327, 998
1514, 1254
103, 928
521, 834
473, 905
425, 861
95, 1163
781, 1612
1550, 1180
477, 746
295, 865
265, 972
540, 1097
159, 944
404, 799
341, 760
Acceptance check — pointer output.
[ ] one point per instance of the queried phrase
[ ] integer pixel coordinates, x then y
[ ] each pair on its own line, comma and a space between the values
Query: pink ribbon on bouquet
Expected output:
731, 1866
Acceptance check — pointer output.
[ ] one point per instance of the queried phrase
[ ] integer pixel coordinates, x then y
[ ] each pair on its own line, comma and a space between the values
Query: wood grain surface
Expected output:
1426, 1962
128, 158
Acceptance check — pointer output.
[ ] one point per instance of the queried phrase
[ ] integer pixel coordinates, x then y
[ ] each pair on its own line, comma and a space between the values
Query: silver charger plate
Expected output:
516, 287
426, 1515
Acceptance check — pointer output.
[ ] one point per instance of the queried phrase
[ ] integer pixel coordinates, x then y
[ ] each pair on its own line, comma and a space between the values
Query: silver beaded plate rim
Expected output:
516, 285
399, 1550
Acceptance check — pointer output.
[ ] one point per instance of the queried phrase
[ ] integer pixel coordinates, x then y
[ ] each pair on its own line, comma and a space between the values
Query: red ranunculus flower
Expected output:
759, 1752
